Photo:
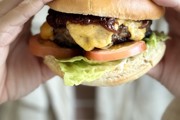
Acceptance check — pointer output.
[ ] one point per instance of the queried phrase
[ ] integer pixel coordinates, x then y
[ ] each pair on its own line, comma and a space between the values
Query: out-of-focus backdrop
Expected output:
143, 99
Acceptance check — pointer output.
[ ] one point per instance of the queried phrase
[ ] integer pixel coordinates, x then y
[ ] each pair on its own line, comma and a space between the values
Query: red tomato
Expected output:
116, 52
42, 48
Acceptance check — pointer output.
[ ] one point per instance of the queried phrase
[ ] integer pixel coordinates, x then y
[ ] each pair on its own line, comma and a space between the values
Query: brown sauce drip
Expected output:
58, 19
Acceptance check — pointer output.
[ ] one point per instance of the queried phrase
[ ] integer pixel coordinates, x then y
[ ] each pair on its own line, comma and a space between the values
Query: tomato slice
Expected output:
117, 52
42, 48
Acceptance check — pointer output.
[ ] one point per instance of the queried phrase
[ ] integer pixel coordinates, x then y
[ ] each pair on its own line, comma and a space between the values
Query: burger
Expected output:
100, 42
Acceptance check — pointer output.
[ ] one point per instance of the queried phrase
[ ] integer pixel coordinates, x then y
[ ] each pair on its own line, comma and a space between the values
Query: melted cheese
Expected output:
46, 31
89, 36
133, 27
94, 36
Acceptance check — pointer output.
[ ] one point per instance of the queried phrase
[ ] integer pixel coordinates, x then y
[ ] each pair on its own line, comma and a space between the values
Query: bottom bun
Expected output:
128, 69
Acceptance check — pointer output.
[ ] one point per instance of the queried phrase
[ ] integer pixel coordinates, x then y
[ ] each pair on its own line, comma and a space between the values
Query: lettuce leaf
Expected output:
155, 38
79, 69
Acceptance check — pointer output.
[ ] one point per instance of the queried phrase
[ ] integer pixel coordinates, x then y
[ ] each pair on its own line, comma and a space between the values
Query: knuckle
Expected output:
177, 7
4, 39
7, 36
28, 8
3, 53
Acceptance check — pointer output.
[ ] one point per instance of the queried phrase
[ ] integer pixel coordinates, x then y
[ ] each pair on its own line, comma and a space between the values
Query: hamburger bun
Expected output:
123, 9
128, 70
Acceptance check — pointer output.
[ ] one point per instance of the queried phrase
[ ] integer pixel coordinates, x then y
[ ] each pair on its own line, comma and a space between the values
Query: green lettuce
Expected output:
155, 38
79, 69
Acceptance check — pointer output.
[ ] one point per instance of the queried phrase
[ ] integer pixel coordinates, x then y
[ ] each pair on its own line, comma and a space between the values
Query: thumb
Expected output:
12, 22
156, 72
169, 3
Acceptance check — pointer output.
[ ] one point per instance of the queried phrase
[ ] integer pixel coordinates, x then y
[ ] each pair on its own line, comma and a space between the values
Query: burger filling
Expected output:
90, 32
87, 47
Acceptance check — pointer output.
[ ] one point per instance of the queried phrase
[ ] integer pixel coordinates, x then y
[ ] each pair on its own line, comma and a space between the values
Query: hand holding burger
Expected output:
168, 70
19, 76
20, 71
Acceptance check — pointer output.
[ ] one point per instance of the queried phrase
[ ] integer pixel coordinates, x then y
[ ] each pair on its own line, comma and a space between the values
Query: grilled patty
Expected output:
62, 37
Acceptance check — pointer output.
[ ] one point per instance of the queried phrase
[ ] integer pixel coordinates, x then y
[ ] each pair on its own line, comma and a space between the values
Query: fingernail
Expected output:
167, 3
48, 0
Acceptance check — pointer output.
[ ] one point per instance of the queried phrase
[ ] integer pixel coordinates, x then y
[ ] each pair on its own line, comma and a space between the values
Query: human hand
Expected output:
20, 72
168, 70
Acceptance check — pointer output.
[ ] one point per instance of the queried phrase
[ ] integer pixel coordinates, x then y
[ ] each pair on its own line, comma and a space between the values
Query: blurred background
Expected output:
143, 99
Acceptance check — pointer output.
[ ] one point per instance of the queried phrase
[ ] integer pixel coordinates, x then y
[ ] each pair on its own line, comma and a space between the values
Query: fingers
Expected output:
3, 53
172, 15
7, 5
12, 22
173, 19
169, 3
24, 11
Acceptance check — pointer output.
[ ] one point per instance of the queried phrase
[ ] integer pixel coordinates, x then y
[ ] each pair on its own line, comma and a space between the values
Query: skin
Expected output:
21, 72
168, 70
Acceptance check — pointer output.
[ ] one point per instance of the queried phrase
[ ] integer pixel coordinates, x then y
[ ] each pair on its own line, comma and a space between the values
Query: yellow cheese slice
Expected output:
89, 36
46, 31
133, 27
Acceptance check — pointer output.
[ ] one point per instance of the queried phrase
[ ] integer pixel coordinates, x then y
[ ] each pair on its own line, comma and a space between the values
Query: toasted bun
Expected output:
128, 70
123, 9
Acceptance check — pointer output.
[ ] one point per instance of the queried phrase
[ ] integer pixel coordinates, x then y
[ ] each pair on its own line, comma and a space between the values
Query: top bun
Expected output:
122, 9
